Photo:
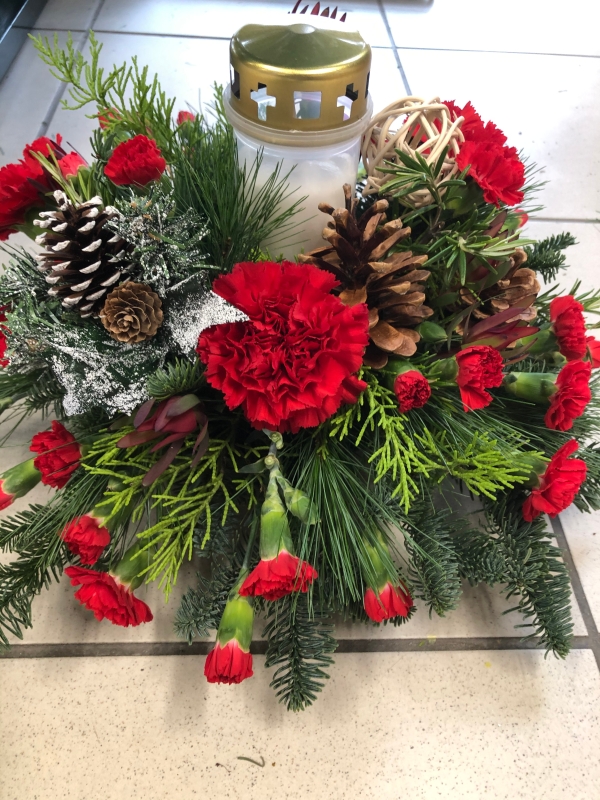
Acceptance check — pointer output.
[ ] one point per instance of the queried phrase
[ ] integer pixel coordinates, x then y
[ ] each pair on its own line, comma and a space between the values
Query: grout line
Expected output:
565, 219
423, 645
395, 49
58, 95
593, 636
136, 33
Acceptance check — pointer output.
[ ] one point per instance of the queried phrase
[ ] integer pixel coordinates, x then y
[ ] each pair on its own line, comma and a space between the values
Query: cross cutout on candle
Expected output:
263, 100
345, 101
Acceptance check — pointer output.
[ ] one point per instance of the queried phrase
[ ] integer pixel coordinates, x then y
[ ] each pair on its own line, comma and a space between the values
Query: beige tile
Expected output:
546, 105
69, 15
582, 258
583, 535
223, 18
469, 725
536, 26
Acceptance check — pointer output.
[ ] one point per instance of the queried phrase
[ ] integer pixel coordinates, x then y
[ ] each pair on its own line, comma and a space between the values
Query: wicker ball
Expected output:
411, 125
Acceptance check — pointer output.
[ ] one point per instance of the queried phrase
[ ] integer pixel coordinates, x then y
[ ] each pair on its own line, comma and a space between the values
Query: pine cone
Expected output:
391, 287
132, 313
82, 259
519, 287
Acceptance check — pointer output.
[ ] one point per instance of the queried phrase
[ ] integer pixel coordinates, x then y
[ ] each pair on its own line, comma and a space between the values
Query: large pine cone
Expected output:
391, 287
132, 313
82, 259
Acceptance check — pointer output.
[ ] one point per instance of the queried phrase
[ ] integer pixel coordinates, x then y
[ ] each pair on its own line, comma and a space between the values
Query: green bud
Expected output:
431, 332
464, 198
444, 369
537, 387
275, 534
131, 565
299, 504
237, 622
20, 479
537, 467
379, 573
543, 341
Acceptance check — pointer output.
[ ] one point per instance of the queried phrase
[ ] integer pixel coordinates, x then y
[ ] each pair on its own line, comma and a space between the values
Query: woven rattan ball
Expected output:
411, 125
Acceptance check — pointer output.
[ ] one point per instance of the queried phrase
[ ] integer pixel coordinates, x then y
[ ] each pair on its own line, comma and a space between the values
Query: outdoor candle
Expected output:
300, 94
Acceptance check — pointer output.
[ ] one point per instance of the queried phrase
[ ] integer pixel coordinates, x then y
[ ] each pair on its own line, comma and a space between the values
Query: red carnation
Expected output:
6, 498
473, 127
3, 331
568, 324
291, 365
86, 537
593, 348
496, 169
59, 455
136, 160
558, 485
70, 164
391, 601
572, 395
107, 597
479, 368
185, 116
228, 663
412, 390
275, 577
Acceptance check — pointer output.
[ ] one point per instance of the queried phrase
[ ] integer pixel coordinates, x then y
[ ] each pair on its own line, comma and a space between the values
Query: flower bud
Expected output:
128, 570
275, 534
431, 332
536, 387
17, 481
540, 343
444, 369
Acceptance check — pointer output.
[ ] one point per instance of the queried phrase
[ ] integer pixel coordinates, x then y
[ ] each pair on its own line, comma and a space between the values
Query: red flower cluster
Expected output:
101, 593
412, 390
572, 395
3, 329
23, 185
496, 168
392, 601
566, 315
228, 664
86, 537
291, 365
558, 485
275, 577
593, 348
135, 161
59, 455
479, 368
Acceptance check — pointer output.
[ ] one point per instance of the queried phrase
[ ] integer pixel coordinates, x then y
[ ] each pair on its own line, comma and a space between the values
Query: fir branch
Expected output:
480, 560
547, 257
299, 645
201, 609
179, 377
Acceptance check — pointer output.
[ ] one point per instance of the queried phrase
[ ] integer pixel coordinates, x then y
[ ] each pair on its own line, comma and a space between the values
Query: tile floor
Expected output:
453, 708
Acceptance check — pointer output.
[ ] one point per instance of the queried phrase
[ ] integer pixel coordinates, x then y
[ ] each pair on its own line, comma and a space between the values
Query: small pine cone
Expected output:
132, 313
82, 259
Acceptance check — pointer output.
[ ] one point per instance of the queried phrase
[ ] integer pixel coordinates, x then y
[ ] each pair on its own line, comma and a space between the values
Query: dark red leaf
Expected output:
157, 470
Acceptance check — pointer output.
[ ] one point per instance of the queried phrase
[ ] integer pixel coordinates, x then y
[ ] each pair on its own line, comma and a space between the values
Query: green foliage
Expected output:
299, 645
588, 498
177, 377
433, 564
480, 560
201, 609
547, 257
534, 573
41, 555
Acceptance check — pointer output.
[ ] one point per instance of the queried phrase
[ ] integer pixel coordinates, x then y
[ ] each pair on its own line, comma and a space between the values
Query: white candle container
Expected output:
299, 94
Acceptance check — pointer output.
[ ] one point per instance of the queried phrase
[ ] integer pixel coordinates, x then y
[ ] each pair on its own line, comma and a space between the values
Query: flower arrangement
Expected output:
299, 426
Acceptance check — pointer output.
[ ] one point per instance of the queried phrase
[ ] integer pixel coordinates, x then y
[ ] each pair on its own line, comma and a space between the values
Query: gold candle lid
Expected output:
299, 77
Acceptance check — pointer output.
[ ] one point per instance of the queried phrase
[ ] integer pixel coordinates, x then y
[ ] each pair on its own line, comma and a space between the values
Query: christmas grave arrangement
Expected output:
301, 427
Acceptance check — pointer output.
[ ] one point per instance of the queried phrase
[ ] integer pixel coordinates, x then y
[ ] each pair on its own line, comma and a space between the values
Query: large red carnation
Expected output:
479, 368
59, 455
275, 577
228, 663
473, 127
291, 365
86, 537
566, 315
101, 593
135, 161
572, 395
558, 485
497, 169
390, 602
412, 390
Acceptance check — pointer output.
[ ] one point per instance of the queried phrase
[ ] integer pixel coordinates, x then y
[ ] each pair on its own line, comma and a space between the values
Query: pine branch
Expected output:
546, 257
179, 377
534, 573
480, 560
299, 646
433, 565
201, 609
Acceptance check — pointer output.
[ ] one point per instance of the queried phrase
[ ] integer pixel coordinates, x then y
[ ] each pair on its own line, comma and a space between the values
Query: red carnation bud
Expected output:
412, 390
523, 217
17, 481
69, 165
572, 395
231, 661
108, 116
185, 116
135, 161
479, 368
558, 485
388, 602
593, 349
59, 455
566, 315
110, 594
86, 537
